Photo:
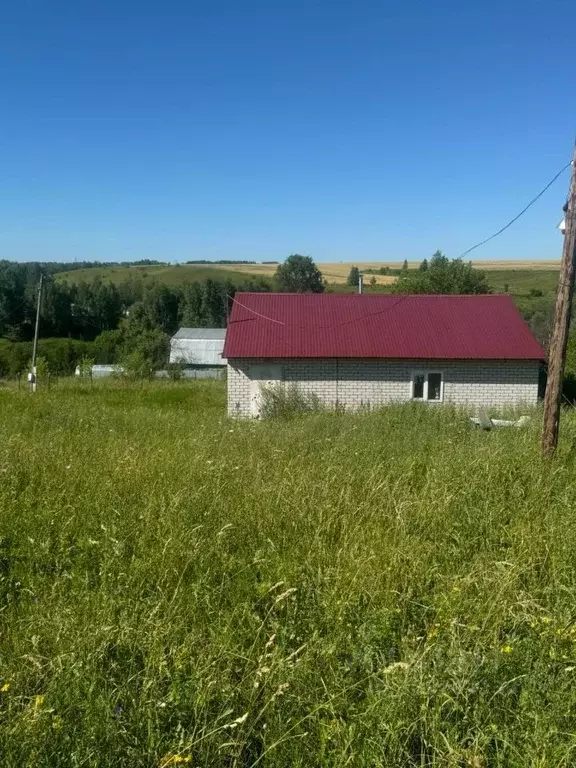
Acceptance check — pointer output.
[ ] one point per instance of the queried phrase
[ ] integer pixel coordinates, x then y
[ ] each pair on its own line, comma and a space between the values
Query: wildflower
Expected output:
506, 649
5, 688
38, 701
57, 723
174, 760
546, 620
68, 466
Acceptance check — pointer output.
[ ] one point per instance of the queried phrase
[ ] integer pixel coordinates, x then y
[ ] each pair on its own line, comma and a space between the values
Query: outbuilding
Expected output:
198, 347
359, 350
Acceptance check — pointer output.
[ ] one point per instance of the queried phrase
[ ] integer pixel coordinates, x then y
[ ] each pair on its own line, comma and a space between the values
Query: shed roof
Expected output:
434, 327
200, 333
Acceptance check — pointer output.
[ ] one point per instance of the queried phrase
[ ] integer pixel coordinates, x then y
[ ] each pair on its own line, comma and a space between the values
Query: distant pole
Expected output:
360, 282
36, 328
557, 351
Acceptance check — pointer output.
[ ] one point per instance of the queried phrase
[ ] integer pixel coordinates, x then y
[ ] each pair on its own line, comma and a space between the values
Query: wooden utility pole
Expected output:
35, 346
557, 351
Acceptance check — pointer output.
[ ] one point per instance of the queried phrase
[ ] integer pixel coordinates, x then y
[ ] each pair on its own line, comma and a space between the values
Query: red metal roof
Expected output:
378, 326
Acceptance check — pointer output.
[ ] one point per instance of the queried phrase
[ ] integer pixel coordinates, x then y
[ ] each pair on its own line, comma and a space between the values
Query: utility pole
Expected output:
35, 346
360, 282
557, 351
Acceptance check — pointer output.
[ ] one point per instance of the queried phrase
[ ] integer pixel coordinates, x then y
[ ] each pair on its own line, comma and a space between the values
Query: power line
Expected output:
319, 327
522, 212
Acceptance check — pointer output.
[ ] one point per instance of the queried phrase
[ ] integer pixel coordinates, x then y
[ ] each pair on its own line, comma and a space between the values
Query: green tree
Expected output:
137, 365
443, 276
423, 266
191, 313
141, 334
85, 365
373, 282
299, 274
405, 265
106, 346
354, 277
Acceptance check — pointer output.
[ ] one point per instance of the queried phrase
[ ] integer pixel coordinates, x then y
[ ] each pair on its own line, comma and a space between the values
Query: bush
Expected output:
42, 367
286, 402
137, 366
175, 371
62, 355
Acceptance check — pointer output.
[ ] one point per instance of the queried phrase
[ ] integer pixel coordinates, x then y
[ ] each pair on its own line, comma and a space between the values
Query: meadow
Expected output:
389, 588
520, 276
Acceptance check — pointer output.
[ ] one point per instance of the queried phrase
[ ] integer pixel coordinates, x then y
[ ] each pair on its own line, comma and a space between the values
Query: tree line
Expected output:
437, 275
103, 320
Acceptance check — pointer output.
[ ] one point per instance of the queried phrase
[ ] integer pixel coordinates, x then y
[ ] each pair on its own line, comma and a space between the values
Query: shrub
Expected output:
137, 366
286, 402
85, 365
175, 371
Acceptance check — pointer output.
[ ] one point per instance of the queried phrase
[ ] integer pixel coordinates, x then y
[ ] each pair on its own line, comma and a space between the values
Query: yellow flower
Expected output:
5, 688
506, 649
38, 701
57, 723
174, 760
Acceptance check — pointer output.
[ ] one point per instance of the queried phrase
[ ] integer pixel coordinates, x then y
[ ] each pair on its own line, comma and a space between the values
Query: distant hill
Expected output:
517, 277
169, 275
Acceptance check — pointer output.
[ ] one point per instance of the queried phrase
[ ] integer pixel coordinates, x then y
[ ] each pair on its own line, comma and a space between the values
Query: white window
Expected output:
428, 385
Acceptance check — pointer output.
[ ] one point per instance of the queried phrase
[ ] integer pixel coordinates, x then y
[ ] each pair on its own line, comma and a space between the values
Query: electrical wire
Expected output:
318, 327
522, 212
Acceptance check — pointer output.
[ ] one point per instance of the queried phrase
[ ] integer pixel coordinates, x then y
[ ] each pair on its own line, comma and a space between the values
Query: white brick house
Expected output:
357, 351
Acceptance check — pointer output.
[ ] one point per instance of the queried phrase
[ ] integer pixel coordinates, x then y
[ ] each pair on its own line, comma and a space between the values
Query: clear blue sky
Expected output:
342, 129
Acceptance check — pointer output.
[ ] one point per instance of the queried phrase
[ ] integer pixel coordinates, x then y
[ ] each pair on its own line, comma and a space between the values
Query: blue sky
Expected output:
346, 130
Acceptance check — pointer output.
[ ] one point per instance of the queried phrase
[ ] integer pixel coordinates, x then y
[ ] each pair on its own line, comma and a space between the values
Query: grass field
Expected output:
521, 273
169, 275
385, 589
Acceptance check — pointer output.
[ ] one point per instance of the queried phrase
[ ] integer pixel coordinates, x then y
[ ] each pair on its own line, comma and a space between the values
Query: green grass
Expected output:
519, 282
384, 589
169, 275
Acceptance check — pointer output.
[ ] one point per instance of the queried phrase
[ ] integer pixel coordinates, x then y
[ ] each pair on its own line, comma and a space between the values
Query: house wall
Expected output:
368, 383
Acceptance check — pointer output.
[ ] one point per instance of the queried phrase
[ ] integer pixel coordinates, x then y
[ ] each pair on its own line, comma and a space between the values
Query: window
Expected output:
428, 386
434, 386
418, 386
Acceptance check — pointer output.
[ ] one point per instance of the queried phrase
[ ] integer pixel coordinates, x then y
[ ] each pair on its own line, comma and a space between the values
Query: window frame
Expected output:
426, 373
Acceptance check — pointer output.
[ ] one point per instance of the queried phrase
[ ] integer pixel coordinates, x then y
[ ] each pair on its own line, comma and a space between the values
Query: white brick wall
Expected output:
357, 383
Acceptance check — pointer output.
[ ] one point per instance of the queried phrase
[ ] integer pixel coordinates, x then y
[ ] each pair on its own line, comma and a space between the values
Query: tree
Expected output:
373, 282
405, 265
443, 276
299, 274
141, 334
85, 366
354, 277
423, 266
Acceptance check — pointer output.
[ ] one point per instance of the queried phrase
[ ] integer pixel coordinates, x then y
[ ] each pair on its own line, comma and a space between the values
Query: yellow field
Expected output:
337, 272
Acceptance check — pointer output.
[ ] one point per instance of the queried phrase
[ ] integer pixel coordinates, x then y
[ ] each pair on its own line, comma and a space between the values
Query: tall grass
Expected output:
385, 589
